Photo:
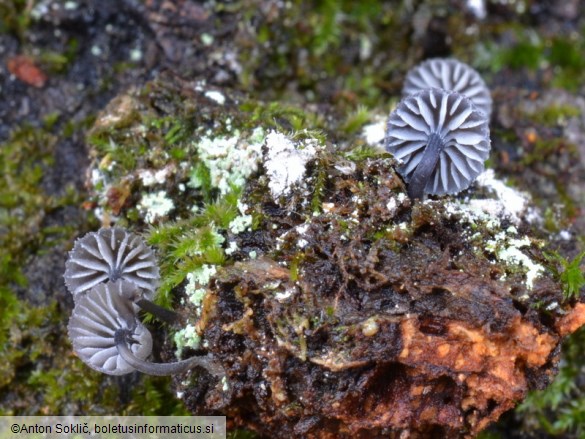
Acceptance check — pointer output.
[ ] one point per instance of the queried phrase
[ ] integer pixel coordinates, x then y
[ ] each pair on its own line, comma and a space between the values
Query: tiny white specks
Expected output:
136, 55
155, 205
346, 168
565, 235
328, 207
286, 162
206, 39
512, 203
375, 132
477, 8
232, 247
200, 85
391, 206
197, 280
215, 96
186, 338
285, 294
240, 224
302, 229
150, 177
96, 177
230, 160
242, 207
96, 50
508, 251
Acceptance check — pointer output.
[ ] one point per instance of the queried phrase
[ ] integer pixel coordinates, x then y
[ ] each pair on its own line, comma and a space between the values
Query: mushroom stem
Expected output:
425, 167
166, 315
123, 336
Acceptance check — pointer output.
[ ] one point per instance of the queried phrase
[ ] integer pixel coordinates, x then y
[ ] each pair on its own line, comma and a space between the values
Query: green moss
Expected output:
363, 152
569, 273
59, 62
153, 398
527, 54
543, 148
567, 53
185, 246
356, 120
34, 348
33, 381
281, 116
560, 409
319, 187
23, 203
551, 222
15, 17
373, 33
554, 115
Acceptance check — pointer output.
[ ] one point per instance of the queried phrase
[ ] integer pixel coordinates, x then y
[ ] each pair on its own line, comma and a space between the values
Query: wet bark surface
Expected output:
376, 338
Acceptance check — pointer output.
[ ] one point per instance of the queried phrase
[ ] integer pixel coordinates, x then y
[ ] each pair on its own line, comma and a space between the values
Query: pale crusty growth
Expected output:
108, 255
449, 74
441, 140
97, 316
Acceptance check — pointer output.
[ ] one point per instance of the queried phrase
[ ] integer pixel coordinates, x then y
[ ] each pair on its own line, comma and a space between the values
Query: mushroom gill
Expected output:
108, 255
441, 140
108, 337
96, 318
449, 74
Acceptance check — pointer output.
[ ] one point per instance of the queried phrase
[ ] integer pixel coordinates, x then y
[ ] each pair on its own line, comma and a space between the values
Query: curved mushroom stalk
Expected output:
97, 316
108, 337
424, 170
123, 338
163, 314
441, 141
134, 294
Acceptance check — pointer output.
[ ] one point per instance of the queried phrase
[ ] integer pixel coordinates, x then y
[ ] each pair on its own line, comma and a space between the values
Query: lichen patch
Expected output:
229, 159
286, 162
155, 205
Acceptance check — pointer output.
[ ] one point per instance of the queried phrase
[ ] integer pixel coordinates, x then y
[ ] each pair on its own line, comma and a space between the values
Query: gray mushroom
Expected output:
124, 341
449, 74
107, 336
441, 140
112, 254
96, 318
108, 255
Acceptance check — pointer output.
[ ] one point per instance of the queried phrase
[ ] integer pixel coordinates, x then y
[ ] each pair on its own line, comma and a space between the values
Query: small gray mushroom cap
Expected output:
108, 255
449, 74
97, 316
453, 127
107, 336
